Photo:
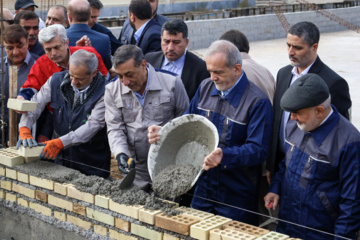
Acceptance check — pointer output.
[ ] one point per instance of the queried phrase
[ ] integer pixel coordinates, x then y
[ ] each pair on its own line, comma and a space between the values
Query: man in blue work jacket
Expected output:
319, 178
242, 114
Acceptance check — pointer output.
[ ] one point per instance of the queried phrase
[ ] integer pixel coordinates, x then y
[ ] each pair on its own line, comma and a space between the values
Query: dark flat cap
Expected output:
24, 4
308, 91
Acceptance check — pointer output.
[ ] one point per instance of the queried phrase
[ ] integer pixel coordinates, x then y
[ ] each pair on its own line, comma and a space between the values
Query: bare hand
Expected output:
153, 134
23, 99
268, 176
213, 159
271, 200
83, 42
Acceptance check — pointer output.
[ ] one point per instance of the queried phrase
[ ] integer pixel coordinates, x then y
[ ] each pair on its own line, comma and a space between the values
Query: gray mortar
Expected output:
175, 180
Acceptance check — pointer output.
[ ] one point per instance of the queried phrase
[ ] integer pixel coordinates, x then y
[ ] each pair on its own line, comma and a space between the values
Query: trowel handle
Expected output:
131, 163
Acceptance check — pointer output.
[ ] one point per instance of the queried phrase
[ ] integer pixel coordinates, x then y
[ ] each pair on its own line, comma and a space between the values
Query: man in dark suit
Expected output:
302, 40
147, 30
175, 58
127, 32
79, 13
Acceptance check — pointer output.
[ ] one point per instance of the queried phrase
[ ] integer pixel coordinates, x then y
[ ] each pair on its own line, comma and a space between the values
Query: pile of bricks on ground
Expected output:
110, 219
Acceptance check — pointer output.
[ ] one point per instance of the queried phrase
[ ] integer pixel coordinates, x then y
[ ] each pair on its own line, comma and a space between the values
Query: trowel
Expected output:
128, 179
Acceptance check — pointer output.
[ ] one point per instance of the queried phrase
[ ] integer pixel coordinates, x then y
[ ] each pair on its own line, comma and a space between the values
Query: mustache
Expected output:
32, 37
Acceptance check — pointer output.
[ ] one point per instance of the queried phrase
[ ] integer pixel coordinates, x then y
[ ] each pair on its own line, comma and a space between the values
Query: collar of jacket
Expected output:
154, 82
320, 133
235, 94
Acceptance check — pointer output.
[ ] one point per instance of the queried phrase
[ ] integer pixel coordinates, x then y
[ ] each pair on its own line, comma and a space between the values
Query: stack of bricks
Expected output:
107, 218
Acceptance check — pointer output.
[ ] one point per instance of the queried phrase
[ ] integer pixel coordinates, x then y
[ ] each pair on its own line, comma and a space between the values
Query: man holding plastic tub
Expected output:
318, 184
77, 100
242, 114
141, 97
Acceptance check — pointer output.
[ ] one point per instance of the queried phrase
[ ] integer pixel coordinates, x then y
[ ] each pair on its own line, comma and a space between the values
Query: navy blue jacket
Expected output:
319, 180
99, 41
96, 152
150, 39
115, 44
37, 49
243, 120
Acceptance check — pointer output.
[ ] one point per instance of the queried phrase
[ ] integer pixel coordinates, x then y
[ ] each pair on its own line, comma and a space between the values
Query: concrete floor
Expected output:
339, 50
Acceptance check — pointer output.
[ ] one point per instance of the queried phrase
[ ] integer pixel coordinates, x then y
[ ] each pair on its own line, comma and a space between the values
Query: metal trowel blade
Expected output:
128, 179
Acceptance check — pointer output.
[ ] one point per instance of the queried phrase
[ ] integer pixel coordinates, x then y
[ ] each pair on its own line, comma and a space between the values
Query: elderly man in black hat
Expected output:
318, 184
21, 5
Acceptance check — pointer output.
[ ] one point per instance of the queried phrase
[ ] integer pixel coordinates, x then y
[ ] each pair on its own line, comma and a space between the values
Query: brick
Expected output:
41, 209
100, 216
11, 173
2, 194
179, 224
229, 234
59, 202
175, 204
273, 236
101, 230
131, 211
74, 193
2, 171
6, 185
32, 152
60, 188
79, 209
22, 202
79, 222
193, 213
60, 216
41, 182
102, 201
148, 216
22, 177
145, 232
23, 190
246, 228
10, 158
10, 197
119, 236
31, 159
41, 196
21, 105
202, 229
169, 237
122, 224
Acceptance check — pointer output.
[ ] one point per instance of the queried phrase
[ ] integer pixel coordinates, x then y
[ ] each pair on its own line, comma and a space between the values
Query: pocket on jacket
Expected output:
126, 108
162, 108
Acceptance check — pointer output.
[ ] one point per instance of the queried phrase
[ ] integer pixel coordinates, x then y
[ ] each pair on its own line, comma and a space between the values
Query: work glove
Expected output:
52, 149
125, 163
26, 139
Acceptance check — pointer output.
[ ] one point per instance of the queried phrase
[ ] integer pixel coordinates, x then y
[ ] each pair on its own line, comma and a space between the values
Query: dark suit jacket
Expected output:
99, 41
194, 70
115, 44
340, 98
150, 39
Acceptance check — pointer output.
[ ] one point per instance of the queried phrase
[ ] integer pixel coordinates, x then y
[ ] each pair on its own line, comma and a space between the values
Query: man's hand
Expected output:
52, 149
83, 42
213, 159
125, 163
271, 200
268, 176
26, 139
23, 99
153, 134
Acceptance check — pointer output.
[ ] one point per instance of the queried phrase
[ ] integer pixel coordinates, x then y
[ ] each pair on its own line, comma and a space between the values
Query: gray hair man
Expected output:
77, 101
302, 41
175, 58
57, 15
318, 181
242, 114
141, 97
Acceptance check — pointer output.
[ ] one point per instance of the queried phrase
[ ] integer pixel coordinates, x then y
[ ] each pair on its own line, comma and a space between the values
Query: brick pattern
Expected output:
41, 196
229, 234
202, 229
193, 213
79, 209
179, 224
273, 236
148, 216
246, 228
74, 193
11, 173
23, 190
10, 157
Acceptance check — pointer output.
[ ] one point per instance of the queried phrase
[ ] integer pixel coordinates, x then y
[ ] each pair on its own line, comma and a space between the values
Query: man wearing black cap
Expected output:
21, 5
319, 179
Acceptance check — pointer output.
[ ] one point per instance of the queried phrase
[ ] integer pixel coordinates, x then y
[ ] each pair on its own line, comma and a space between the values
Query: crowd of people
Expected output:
287, 144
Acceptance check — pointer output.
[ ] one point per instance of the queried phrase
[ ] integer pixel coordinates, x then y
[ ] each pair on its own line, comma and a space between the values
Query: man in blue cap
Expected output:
318, 184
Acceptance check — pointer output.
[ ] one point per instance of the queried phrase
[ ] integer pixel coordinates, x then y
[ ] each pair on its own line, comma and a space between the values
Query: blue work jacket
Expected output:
243, 120
319, 180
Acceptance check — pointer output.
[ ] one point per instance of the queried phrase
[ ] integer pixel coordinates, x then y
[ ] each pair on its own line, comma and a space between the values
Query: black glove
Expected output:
125, 163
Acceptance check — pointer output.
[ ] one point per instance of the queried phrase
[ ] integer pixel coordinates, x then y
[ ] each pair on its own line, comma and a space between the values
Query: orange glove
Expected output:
52, 149
25, 138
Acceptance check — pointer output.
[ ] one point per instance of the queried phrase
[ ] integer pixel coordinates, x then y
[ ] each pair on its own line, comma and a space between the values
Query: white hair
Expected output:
49, 33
